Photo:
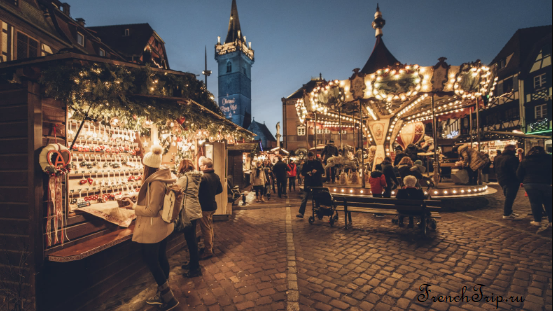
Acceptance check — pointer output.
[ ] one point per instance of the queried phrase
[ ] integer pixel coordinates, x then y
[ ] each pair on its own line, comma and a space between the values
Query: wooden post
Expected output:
435, 137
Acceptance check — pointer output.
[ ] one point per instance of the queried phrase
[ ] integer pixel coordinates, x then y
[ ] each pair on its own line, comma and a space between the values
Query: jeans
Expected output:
387, 192
192, 244
155, 257
281, 185
486, 178
306, 197
206, 224
473, 176
259, 190
510, 191
291, 183
331, 175
540, 199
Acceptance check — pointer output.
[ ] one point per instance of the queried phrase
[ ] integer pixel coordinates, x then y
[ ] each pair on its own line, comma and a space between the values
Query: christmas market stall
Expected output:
74, 130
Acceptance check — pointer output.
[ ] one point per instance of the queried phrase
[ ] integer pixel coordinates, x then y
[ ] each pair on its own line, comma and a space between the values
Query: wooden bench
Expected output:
362, 204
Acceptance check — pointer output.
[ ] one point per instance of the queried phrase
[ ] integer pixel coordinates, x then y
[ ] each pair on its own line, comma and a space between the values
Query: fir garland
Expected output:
111, 91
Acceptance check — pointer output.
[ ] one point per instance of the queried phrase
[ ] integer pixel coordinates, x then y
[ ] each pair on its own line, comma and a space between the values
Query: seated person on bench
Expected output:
409, 192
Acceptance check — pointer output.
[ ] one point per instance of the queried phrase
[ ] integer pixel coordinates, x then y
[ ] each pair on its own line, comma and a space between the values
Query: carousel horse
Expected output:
355, 178
343, 179
341, 162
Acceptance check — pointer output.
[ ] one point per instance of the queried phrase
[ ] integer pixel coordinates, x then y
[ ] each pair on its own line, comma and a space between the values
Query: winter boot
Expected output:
167, 297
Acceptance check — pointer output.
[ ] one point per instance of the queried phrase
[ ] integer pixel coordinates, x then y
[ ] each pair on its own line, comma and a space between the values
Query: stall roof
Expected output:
181, 100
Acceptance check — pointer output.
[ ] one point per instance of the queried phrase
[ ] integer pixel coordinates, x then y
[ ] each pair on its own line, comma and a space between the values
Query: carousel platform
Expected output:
456, 197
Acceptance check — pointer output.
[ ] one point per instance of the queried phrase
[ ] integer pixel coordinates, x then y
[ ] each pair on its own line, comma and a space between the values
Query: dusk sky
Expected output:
295, 40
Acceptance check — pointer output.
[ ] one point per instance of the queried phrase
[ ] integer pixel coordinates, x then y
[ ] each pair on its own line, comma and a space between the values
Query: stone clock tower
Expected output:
235, 58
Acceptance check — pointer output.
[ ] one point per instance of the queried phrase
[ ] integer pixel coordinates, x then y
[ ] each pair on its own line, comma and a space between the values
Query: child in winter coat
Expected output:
258, 180
189, 181
377, 180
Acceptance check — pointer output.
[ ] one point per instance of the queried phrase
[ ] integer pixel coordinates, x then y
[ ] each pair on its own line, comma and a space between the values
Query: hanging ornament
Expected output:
181, 120
114, 122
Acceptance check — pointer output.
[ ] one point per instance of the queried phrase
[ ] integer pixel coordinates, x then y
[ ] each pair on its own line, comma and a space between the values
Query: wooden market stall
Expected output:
63, 239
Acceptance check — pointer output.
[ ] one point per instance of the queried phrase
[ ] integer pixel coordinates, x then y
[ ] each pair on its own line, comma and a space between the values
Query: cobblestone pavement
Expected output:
259, 265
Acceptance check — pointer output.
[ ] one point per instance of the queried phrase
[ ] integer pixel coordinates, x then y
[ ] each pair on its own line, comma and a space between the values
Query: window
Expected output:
6, 43
327, 131
80, 39
540, 112
508, 85
301, 130
127, 32
27, 47
344, 131
102, 52
539, 81
245, 72
46, 50
229, 67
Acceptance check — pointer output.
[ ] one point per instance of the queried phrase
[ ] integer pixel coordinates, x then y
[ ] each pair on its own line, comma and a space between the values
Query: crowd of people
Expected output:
278, 178
201, 186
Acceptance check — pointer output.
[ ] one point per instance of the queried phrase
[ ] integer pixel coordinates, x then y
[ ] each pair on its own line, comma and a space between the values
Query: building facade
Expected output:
299, 135
235, 59
264, 136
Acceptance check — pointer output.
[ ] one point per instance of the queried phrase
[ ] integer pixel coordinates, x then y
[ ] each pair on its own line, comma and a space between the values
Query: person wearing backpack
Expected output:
189, 181
150, 230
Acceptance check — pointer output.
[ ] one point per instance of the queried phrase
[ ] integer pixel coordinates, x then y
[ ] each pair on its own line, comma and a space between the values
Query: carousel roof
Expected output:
380, 58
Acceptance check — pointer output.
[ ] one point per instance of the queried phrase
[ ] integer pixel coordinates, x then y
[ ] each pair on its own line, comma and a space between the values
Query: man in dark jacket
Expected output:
506, 166
210, 186
313, 171
280, 170
399, 155
388, 171
330, 151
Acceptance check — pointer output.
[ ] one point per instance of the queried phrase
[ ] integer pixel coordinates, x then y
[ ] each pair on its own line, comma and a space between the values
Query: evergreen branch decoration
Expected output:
134, 95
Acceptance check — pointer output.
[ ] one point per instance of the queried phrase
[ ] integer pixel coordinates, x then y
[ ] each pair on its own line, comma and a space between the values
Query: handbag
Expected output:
182, 221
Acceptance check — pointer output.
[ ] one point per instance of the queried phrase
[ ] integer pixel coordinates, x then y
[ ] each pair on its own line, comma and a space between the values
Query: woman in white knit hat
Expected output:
150, 229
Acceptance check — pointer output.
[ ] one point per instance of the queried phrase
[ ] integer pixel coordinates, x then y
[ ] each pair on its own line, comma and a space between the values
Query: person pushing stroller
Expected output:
312, 171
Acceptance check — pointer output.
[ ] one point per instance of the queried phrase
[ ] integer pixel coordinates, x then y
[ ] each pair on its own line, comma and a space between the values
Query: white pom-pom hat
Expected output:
153, 158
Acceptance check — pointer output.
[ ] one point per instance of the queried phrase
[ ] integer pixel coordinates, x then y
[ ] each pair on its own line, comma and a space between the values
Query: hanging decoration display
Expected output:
55, 160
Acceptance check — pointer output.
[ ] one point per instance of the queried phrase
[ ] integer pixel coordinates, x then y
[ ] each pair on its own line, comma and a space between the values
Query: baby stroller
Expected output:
323, 205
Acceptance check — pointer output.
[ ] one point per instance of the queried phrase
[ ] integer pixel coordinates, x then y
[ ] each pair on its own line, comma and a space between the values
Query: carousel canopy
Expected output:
394, 94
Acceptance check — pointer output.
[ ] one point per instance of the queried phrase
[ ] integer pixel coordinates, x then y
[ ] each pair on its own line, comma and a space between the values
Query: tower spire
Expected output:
206, 72
378, 22
234, 31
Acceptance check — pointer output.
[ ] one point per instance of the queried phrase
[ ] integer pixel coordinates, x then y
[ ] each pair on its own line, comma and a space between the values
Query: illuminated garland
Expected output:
540, 125
112, 91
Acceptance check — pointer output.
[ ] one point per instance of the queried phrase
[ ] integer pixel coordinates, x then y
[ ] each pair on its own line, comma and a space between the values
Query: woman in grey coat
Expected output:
189, 180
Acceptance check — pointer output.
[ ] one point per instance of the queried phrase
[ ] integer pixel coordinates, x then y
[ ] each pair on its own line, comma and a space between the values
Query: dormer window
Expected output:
80, 39
102, 52
127, 32
229, 67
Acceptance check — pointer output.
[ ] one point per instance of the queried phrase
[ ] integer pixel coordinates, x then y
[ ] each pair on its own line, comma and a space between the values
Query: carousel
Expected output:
394, 105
